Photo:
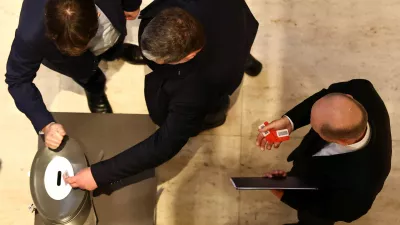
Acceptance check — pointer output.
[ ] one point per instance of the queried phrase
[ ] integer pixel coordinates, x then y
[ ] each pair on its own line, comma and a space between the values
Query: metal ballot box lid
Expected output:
55, 201
102, 136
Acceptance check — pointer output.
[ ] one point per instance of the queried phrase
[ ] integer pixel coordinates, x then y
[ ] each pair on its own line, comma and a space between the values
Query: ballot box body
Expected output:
101, 136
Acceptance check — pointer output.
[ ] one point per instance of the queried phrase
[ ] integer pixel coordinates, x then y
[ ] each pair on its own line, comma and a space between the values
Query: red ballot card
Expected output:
273, 135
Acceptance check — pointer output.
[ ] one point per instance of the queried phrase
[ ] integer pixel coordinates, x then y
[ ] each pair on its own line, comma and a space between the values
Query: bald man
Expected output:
347, 150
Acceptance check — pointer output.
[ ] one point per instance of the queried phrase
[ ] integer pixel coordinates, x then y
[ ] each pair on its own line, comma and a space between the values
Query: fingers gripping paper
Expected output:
54, 182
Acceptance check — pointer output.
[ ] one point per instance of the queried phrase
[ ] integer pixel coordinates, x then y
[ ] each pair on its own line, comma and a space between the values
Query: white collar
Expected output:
362, 143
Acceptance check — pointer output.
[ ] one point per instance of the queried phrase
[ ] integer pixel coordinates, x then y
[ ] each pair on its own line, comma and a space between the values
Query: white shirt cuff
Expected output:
41, 132
291, 122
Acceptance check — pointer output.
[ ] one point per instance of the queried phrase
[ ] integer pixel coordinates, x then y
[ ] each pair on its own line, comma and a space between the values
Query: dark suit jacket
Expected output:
31, 46
179, 96
349, 182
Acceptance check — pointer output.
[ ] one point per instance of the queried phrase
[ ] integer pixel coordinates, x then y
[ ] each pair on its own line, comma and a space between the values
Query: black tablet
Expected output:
261, 183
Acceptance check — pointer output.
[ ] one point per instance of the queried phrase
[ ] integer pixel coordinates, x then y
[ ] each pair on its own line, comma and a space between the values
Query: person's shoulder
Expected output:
355, 83
358, 88
31, 26
362, 83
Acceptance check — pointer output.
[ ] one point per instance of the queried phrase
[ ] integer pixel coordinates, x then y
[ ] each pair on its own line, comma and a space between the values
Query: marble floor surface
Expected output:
305, 45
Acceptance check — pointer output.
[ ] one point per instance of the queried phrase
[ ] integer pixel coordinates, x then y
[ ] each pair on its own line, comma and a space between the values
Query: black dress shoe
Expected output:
252, 66
132, 54
98, 103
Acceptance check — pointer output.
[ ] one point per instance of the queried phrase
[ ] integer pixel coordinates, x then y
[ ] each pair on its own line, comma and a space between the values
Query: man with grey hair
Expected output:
198, 52
347, 151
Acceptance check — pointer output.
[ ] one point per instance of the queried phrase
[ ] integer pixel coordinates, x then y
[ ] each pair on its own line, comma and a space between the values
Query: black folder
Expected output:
263, 183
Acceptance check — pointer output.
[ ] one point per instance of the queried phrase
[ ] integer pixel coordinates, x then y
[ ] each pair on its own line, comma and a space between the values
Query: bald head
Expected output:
339, 117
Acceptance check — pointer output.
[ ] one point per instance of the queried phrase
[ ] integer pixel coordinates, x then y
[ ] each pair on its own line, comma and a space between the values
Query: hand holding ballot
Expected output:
274, 133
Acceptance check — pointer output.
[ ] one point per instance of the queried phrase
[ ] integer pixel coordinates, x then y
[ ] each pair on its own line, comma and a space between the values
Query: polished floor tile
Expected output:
18, 147
195, 184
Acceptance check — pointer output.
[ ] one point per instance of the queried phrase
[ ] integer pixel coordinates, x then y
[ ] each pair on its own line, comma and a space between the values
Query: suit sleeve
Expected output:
131, 5
23, 63
300, 114
340, 205
183, 121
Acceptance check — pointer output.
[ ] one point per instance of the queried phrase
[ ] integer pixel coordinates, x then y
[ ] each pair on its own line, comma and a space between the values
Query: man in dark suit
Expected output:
347, 151
198, 51
70, 37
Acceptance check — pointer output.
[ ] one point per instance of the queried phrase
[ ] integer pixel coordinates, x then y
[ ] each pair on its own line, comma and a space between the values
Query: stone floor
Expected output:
305, 45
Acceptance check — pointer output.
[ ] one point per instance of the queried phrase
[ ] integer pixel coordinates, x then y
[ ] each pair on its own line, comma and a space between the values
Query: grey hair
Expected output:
171, 36
149, 56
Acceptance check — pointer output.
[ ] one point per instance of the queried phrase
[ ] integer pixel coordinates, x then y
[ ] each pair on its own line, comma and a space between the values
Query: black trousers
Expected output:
306, 218
95, 82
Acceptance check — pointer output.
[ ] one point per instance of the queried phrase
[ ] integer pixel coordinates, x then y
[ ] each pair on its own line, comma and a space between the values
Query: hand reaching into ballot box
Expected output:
263, 140
53, 135
83, 180
276, 174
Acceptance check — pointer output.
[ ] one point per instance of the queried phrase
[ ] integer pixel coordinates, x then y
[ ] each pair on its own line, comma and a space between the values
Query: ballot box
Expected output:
101, 136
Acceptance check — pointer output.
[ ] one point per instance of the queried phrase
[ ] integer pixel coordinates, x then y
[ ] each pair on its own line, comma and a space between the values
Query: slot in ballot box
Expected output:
101, 136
